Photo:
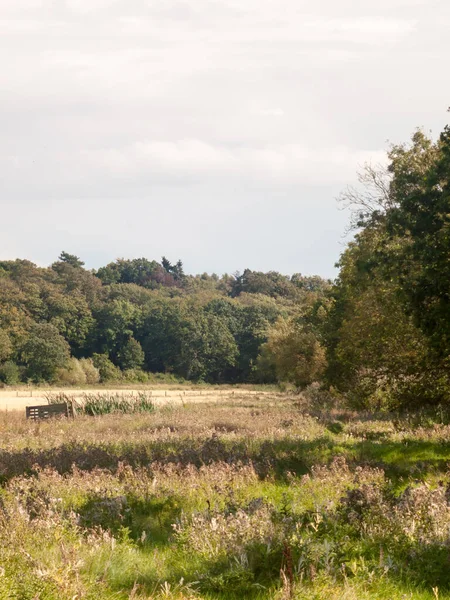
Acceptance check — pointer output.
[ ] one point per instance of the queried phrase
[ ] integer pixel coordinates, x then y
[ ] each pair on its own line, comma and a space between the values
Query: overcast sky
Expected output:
215, 131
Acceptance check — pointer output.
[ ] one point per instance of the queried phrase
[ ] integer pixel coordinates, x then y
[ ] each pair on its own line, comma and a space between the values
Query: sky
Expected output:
219, 132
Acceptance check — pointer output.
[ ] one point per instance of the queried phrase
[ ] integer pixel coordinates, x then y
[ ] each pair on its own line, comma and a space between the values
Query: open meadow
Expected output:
251, 495
21, 397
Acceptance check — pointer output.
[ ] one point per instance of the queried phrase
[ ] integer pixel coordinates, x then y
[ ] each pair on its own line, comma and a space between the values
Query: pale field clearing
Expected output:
19, 399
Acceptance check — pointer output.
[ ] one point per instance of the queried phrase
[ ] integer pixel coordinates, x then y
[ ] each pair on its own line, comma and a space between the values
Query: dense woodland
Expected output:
133, 317
378, 336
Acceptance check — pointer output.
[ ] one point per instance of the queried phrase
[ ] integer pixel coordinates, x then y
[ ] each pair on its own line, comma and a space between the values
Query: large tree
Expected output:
388, 334
44, 352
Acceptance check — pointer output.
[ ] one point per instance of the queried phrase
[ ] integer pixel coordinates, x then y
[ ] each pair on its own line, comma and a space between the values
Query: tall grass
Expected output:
105, 403
250, 497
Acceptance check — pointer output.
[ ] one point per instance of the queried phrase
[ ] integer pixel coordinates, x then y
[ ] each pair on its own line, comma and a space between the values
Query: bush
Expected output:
107, 369
90, 370
319, 397
73, 374
10, 373
136, 376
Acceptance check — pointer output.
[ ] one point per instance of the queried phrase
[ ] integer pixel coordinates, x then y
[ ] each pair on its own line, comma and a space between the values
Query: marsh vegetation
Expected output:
262, 496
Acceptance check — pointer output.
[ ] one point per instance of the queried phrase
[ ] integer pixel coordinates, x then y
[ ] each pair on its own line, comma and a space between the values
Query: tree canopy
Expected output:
140, 316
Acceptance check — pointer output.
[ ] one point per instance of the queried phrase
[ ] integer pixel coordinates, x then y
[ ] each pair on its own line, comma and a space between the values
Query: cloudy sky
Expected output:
215, 131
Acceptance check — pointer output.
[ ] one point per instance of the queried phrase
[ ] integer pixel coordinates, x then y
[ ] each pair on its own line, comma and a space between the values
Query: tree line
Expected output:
134, 318
379, 335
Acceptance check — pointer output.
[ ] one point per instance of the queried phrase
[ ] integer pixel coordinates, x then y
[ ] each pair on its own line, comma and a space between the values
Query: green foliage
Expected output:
10, 373
150, 504
91, 372
422, 217
148, 274
293, 353
136, 376
105, 404
130, 355
44, 352
388, 330
71, 259
375, 351
68, 312
72, 374
6, 347
188, 341
145, 316
107, 369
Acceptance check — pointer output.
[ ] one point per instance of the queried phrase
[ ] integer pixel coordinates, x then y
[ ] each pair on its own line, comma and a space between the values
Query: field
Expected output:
20, 397
227, 495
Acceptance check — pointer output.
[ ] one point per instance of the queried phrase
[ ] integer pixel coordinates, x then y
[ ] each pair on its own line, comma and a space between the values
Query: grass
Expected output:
248, 497
105, 403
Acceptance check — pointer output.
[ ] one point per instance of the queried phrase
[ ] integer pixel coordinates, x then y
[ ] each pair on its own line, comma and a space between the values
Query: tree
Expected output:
294, 353
422, 221
72, 374
6, 348
68, 312
9, 373
188, 341
376, 354
148, 274
371, 199
270, 284
188, 325
207, 349
116, 322
44, 352
70, 278
90, 370
389, 328
71, 259
175, 270
130, 355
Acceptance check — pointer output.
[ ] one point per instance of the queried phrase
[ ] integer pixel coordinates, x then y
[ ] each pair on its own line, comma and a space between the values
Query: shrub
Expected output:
90, 370
73, 374
135, 376
9, 373
107, 369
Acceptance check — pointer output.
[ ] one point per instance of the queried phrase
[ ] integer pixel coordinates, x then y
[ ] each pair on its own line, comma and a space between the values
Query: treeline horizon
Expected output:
204, 274
377, 337
66, 324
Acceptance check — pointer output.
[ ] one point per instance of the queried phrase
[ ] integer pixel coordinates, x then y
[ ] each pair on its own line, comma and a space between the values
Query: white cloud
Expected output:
190, 159
88, 6
110, 98
271, 112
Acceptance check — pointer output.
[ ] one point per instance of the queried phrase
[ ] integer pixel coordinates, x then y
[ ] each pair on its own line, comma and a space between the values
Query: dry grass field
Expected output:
224, 495
18, 399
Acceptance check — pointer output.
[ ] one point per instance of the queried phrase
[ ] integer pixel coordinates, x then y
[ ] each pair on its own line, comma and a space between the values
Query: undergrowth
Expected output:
244, 498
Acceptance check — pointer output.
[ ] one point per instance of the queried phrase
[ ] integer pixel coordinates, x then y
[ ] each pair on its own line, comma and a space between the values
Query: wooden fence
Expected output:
48, 411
